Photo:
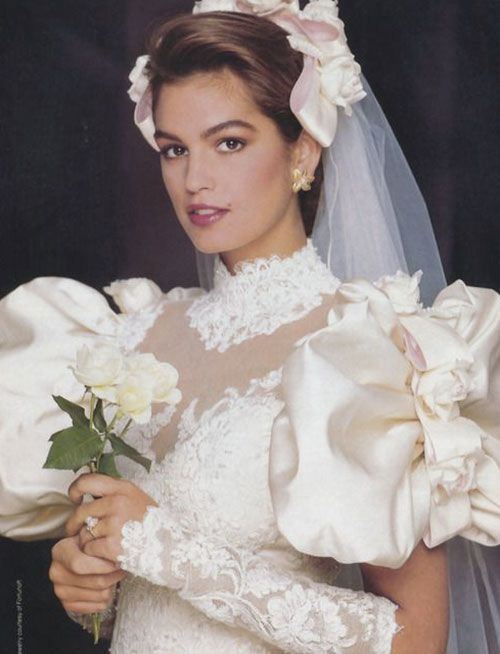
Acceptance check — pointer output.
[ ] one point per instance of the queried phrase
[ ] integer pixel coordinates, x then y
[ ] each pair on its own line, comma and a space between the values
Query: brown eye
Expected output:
172, 151
233, 145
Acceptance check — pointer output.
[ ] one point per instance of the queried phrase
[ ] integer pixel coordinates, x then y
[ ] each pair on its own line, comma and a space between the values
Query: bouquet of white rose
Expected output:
117, 388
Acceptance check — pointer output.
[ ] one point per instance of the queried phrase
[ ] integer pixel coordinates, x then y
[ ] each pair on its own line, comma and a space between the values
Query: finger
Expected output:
67, 552
94, 483
58, 574
67, 593
97, 508
106, 548
85, 607
84, 536
102, 529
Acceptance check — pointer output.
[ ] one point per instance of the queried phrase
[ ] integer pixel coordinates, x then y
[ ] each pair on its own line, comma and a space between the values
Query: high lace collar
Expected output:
262, 295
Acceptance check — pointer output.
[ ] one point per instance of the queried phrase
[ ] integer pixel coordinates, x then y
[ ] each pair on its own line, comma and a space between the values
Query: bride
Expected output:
297, 446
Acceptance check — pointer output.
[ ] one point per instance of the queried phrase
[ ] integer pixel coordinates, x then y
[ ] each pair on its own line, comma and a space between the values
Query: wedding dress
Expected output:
209, 570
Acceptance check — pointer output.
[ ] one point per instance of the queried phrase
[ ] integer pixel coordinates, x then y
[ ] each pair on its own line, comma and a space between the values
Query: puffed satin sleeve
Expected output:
390, 431
42, 324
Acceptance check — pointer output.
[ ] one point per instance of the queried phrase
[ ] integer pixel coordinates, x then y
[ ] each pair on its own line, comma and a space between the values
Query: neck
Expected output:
283, 240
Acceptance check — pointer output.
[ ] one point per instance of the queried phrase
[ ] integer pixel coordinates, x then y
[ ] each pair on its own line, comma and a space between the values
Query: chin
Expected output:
215, 243
206, 249
205, 244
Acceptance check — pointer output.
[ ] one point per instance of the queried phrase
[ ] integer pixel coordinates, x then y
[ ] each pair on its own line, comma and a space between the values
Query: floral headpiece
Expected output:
330, 77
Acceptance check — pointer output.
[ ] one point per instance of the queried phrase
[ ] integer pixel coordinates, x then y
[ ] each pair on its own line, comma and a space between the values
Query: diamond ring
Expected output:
90, 524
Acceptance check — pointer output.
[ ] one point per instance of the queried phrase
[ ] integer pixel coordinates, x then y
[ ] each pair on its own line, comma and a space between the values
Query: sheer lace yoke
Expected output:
208, 376
237, 335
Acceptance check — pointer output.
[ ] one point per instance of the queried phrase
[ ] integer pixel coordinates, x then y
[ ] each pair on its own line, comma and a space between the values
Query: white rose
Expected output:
160, 376
442, 388
203, 6
341, 82
402, 290
301, 43
339, 73
453, 477
101, 368
134, 294
323, 10
264, 7
165, 385
138, 78
134, 397
259, 7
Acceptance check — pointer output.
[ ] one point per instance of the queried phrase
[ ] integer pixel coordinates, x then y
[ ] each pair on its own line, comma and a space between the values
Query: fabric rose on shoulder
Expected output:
406, 424
135, 294
402, 290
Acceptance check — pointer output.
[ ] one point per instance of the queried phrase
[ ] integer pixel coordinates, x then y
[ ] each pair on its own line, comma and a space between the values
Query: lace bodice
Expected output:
208, 569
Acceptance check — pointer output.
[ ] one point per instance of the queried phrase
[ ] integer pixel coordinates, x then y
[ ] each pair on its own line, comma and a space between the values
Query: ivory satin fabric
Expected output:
361, 469
42, 324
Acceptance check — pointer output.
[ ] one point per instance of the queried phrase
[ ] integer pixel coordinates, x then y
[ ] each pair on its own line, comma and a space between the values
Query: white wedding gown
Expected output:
209, 571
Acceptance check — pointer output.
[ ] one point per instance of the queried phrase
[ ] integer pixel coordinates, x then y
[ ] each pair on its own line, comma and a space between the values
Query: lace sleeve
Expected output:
107, 617
241, 588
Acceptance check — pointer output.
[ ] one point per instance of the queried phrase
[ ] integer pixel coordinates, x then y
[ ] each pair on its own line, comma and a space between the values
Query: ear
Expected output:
307, 153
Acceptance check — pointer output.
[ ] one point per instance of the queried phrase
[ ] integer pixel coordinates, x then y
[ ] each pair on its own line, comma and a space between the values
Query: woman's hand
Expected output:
119, 500
83, 584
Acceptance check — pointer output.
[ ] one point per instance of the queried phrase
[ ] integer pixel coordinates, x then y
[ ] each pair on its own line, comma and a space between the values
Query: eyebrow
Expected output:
159, 133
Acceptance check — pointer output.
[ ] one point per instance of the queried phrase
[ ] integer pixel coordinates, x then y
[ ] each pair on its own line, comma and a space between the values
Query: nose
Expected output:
198, 174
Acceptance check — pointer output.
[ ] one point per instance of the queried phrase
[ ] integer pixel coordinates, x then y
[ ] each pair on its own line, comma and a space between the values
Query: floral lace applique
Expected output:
260, 297
239, 587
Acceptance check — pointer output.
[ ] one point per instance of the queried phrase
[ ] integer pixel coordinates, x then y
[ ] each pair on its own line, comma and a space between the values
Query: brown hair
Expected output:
255, 49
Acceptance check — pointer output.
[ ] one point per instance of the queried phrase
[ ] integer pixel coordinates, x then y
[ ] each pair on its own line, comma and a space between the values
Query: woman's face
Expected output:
226, 167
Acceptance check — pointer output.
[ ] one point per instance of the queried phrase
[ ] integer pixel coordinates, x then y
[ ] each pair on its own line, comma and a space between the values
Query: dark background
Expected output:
81, 194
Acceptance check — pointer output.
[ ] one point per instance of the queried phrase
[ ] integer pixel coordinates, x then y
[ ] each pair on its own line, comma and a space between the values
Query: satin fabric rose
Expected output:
136, 294
390, 431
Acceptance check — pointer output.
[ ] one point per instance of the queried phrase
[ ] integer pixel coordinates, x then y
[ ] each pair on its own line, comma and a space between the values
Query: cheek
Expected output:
265, 177
173, 179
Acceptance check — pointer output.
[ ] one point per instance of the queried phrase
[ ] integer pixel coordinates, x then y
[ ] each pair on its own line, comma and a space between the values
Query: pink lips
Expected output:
210, 214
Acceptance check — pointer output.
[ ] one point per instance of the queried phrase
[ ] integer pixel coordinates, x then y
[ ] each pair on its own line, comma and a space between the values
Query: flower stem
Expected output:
92, 408
96, 626
112, 423
96, 617
125, 429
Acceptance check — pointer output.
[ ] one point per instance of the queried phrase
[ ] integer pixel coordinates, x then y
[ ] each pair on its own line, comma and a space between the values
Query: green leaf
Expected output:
56, 435
107, 465
73, 448
75, 411
121, 447
99, 421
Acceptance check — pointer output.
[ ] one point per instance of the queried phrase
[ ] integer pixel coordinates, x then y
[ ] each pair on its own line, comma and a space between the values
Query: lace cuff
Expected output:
241, 588
107, 617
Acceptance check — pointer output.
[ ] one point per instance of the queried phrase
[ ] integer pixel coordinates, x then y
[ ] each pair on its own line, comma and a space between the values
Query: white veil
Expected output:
371, 221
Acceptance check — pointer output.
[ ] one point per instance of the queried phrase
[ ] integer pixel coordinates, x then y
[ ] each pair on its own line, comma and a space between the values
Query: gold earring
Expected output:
301, 180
